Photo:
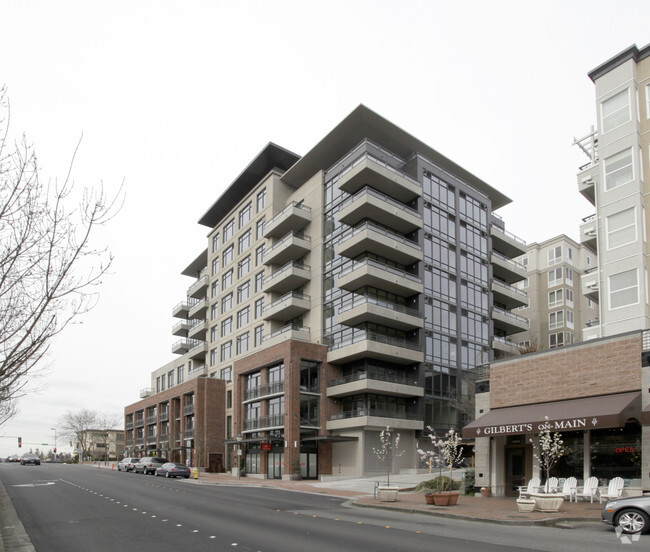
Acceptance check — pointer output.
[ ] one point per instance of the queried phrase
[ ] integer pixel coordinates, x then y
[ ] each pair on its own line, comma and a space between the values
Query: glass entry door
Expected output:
515, 469
275, 465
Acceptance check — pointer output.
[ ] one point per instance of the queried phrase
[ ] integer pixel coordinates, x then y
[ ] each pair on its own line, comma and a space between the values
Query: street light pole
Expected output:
55, 453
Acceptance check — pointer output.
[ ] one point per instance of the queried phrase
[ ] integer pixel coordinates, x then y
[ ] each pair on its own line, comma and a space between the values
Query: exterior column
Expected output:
586, 474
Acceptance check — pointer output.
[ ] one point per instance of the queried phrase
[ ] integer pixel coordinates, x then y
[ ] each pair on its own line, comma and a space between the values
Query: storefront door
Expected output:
275, 466
516, 472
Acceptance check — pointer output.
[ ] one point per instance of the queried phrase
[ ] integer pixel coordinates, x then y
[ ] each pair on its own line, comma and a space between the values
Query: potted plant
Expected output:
486, 491
388, 449
525, 505
297, 474
446, 452
547, 452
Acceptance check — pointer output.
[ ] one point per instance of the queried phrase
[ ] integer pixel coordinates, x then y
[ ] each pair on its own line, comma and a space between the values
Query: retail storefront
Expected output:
602, 414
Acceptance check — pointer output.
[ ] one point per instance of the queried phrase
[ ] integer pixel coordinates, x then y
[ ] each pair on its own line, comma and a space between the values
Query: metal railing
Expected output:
286, 297
264, 421
510, 288
363, 335
367, 190
380, 230
401, 380
509, 234
285, 268
264, 390
278, 245
505, 259
509, 343
382, 266
355, 301
378, 412
286, 329
188, 409
290, 207
511, 315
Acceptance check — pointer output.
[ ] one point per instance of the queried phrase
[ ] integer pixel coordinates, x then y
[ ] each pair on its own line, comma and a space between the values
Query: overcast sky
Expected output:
176, 97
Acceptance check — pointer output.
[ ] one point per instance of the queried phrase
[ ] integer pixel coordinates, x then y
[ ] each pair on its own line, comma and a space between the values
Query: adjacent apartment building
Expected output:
596, 393
353, 288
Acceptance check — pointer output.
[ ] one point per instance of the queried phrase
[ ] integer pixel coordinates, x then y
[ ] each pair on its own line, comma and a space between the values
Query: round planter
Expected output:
428, 498
441, 499
525, 504
453, 498
485, 493
387, 494
547, 502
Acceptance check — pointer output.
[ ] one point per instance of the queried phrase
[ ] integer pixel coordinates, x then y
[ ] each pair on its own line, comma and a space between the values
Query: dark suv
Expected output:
149, 464
29, 458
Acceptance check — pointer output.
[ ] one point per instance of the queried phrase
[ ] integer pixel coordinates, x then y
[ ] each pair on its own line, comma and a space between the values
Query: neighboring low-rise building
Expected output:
101, 444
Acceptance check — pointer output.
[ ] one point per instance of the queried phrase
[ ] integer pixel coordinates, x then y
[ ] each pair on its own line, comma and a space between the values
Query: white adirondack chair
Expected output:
614, 490
589, 490
532, 487
551, 485
570, 488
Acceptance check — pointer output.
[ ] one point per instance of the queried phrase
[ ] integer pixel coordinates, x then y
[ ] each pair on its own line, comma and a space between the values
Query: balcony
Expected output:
380, 241
506, 243
264, 423
370, 204
589, 173
293, 217
589, 232
376, 417
182, 310
139, 422
198, 329
367, 170
509, 322
199, 288
198, 350
150, 420
371, 309
367, 382
293, 246
264, 391
590, 284
183, 346
506, 345
164, 416
367, 344
151, 439
181, 328
287, 333
199, 309
188, 409
506, 269
188, 433
508, 295
287, 307
591, 331
146, 392
287, 278
373, 273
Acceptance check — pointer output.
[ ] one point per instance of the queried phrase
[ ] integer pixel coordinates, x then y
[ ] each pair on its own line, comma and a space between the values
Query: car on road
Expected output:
29, 458
631, 514
127, 464
148, 464
13, 458
172, 469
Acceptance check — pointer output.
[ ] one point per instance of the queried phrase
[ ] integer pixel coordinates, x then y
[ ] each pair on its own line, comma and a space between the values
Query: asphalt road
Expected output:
78, 508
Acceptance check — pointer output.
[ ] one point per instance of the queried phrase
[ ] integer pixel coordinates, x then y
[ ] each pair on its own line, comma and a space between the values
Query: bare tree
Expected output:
83, 426
49, 271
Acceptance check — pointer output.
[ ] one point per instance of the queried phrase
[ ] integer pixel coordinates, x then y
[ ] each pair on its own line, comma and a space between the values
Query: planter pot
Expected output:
525, 504
547, 502
485, 492
428, 498
388, 494
441, 499
453, 498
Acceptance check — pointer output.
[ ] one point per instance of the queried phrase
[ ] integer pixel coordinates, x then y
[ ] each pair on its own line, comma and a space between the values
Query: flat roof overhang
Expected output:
328, 439
603, 411
645, 416
197, 265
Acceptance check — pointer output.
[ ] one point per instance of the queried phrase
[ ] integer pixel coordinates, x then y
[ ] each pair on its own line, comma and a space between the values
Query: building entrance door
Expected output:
275, 465
517, 470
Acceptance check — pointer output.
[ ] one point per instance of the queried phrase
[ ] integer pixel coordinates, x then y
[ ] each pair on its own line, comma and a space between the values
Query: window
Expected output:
569, 319
215, 242
214, 332
619, 169
524, 261
180, 374
243, 343
229, 231
244, 267
569, 338
261, 200
555, 277
227, 279
556, 340
245, 215
259, 308
228, 393
259, 281
556, 298
215, 265
244, 291
555, 320
214, 289
226, 351
214, 311
621, 228
569, 275
259, 255
647, 101
554, 255
589, 260
226, 326
615, 111
569, 297
522, 284
259, 335
214, 356
244, 241
590, 303
226, 303
162, 382
259, 232
228, 255
243, 317
170, 379
226, 374
623, 289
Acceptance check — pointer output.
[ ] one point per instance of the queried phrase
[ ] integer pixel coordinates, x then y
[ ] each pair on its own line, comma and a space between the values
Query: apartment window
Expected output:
556, 298
261, 200
245, 215
569, 338
569, 297
215, 242
555, 319
214, 356
243, 343
259, 232
228, 393
259, 335
162, 382
647, 101
226, 351
243, 317
259, 281
226, 303
244, 291
214, 289
180, 374
522, 284
228, 255
259, 255
569, 275
554, 255
226, 326
555, 277
556, 340
590, 303
621, 228
158, 384
589, 260
229, 231
244, 241
244, 267
259, 307
170, 379
215, 266
226, 375
524, 261
569, 319
214, 332
623, 289
227, 279
214, 311
525, 344
615, 111
619, 169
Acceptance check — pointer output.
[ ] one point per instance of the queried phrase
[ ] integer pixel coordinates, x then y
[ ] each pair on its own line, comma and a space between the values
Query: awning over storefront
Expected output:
570, 415
645, 416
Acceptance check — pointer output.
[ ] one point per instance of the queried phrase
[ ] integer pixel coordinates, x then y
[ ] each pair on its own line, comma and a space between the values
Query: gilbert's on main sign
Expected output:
535, 427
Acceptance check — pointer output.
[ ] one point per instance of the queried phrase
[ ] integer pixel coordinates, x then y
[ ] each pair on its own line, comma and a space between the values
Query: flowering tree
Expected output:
388, 449
447, 452
550, 449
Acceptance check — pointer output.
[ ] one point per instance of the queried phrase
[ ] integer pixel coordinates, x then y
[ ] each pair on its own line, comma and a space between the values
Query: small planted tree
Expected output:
388, 449
446, 452
549, 449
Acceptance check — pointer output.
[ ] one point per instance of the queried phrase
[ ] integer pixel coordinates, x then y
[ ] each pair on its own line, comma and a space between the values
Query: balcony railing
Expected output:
151, 419
510, 288
285, 329
285, 268
164, 416
139, 422
509, 261
264, 421
291, 206
263, 390
359, 300
387, 199
509, 234
151, 439
337, 341
377, 412
380, 230
354, 265
285, 297
509, 342
188, 433
401, 380
511, 314
188, 409
289, 236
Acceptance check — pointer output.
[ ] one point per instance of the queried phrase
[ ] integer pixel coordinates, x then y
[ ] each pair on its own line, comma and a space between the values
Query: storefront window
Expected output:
572, 464
616, 452
253, 460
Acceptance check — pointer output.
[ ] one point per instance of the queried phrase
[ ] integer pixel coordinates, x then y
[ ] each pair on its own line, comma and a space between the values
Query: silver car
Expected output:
127, 464
631, 514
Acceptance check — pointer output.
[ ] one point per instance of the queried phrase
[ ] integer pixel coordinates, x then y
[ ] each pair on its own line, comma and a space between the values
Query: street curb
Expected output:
13, 537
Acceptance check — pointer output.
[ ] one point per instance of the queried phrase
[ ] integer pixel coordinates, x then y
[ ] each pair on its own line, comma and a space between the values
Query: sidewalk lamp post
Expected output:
54, 429
239, 440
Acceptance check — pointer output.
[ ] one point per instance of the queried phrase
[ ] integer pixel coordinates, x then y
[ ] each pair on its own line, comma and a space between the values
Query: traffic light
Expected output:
54, 450
20, 442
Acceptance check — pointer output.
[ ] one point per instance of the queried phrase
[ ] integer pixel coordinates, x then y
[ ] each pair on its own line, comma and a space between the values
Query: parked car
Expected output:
631, 514
172, 469
148, 464
127, 464
29, 458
